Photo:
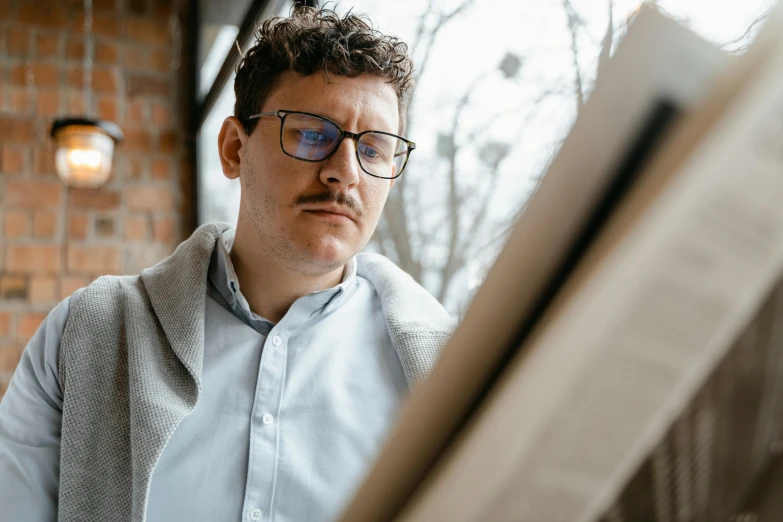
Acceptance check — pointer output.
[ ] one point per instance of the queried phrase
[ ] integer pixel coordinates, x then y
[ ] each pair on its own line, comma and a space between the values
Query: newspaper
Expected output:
581, 384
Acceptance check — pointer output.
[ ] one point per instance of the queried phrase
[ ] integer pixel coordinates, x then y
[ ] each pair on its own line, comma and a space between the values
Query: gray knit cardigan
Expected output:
131, 363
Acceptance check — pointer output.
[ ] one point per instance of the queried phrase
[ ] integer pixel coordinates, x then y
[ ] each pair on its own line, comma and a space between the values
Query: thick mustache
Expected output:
331, 197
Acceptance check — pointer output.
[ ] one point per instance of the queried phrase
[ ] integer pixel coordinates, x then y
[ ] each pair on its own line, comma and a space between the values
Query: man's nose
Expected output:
342, 167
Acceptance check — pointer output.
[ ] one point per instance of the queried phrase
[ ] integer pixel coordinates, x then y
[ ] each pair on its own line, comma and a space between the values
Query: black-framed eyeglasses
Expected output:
309, 137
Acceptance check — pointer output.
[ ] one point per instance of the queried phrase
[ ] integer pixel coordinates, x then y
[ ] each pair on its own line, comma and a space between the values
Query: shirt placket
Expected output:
269, 412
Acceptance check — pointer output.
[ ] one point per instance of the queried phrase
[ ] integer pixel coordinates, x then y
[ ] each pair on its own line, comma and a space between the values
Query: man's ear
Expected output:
231, 139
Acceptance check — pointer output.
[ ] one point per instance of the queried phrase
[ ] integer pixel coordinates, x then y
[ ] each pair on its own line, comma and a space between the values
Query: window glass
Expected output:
499, 85
219, 196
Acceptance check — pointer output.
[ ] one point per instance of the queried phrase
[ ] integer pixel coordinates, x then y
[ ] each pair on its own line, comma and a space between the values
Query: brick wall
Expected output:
54, 240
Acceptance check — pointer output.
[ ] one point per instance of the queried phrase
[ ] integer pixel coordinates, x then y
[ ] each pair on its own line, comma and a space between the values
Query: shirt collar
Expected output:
223, 276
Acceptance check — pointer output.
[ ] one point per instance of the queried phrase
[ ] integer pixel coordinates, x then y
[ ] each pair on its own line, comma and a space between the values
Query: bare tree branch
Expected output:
574, 24
746, 35
395, 213
606, 43
442, 21
453, 263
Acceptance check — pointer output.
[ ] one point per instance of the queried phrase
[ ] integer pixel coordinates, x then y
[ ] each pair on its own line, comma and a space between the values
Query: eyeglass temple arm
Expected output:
260, 114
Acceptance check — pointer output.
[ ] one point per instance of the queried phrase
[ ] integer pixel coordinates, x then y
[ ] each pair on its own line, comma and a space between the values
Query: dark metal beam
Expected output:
246, 29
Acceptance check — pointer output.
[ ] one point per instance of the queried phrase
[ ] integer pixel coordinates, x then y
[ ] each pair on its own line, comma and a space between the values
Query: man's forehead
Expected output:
366, 100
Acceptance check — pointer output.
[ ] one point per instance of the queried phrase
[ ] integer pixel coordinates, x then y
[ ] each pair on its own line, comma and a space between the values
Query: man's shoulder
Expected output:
404, 300
105, 295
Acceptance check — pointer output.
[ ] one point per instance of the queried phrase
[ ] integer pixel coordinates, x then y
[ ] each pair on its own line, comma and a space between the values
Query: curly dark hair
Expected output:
312, 40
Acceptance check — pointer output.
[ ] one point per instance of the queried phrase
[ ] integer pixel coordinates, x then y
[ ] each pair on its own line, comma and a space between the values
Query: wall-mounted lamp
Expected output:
84, 145
83, 150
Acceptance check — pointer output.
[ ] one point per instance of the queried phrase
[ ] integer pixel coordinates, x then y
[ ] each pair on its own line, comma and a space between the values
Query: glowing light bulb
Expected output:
84, 150
81, 158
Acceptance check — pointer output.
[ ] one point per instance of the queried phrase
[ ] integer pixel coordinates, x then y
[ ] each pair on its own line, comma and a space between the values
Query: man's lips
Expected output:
334, 214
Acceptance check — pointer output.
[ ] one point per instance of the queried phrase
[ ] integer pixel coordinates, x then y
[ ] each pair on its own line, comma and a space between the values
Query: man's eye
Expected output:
311, 135
369, 152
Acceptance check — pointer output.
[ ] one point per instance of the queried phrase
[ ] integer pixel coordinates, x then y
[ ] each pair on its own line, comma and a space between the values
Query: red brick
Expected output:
18, 75
137, 140
164, 230
141, 84
164, 8
161, 115
160, 60
17, 41
33, 193
76, 103
75, 77
136, 168
44, 224
11, 353
27, 326
47, 44
77, 226
103, 24
138, 7
5, 324
136, 228
7, 11
43, 163
149, 198
45, 74
16, 129
168, 141
74, 49
135, 57
13, 160
45, 14
107, 108
20, 101
92, 199
17, 223
69, 284
161, 169
105, 226
34, 259
13, 287
43, 290
104, 5
136, 112
106, 52
146, 30
48, 103
94, 259
103, 79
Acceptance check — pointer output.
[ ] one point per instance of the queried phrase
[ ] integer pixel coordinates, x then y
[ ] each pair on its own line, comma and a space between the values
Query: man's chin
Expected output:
326, 258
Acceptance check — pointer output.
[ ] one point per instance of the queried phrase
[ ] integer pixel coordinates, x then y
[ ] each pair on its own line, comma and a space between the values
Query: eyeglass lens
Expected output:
311, 138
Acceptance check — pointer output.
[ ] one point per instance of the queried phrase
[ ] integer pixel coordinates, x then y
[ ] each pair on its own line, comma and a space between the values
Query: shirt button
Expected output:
254, 514
267, 418
276, 340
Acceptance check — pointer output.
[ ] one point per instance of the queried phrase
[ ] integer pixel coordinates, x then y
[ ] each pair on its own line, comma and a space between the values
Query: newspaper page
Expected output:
676, 275
657, 61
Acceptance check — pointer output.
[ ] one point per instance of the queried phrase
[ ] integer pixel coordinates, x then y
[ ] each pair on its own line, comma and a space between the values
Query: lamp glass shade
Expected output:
83, 155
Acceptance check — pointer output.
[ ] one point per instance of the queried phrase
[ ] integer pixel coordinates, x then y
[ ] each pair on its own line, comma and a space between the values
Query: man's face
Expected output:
288, 200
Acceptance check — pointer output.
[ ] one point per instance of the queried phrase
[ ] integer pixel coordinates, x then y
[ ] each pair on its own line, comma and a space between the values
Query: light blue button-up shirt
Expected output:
290, 418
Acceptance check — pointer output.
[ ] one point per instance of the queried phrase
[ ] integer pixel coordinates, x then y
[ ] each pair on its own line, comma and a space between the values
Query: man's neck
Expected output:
269, 286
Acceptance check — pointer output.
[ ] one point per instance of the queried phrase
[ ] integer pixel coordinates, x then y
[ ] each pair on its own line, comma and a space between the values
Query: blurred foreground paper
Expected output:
624, 358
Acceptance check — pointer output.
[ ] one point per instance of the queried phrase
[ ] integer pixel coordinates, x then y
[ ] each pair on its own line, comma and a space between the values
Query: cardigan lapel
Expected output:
418, 324
177, 288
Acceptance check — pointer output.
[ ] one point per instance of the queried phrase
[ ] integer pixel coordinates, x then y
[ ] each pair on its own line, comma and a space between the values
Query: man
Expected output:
254, 374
